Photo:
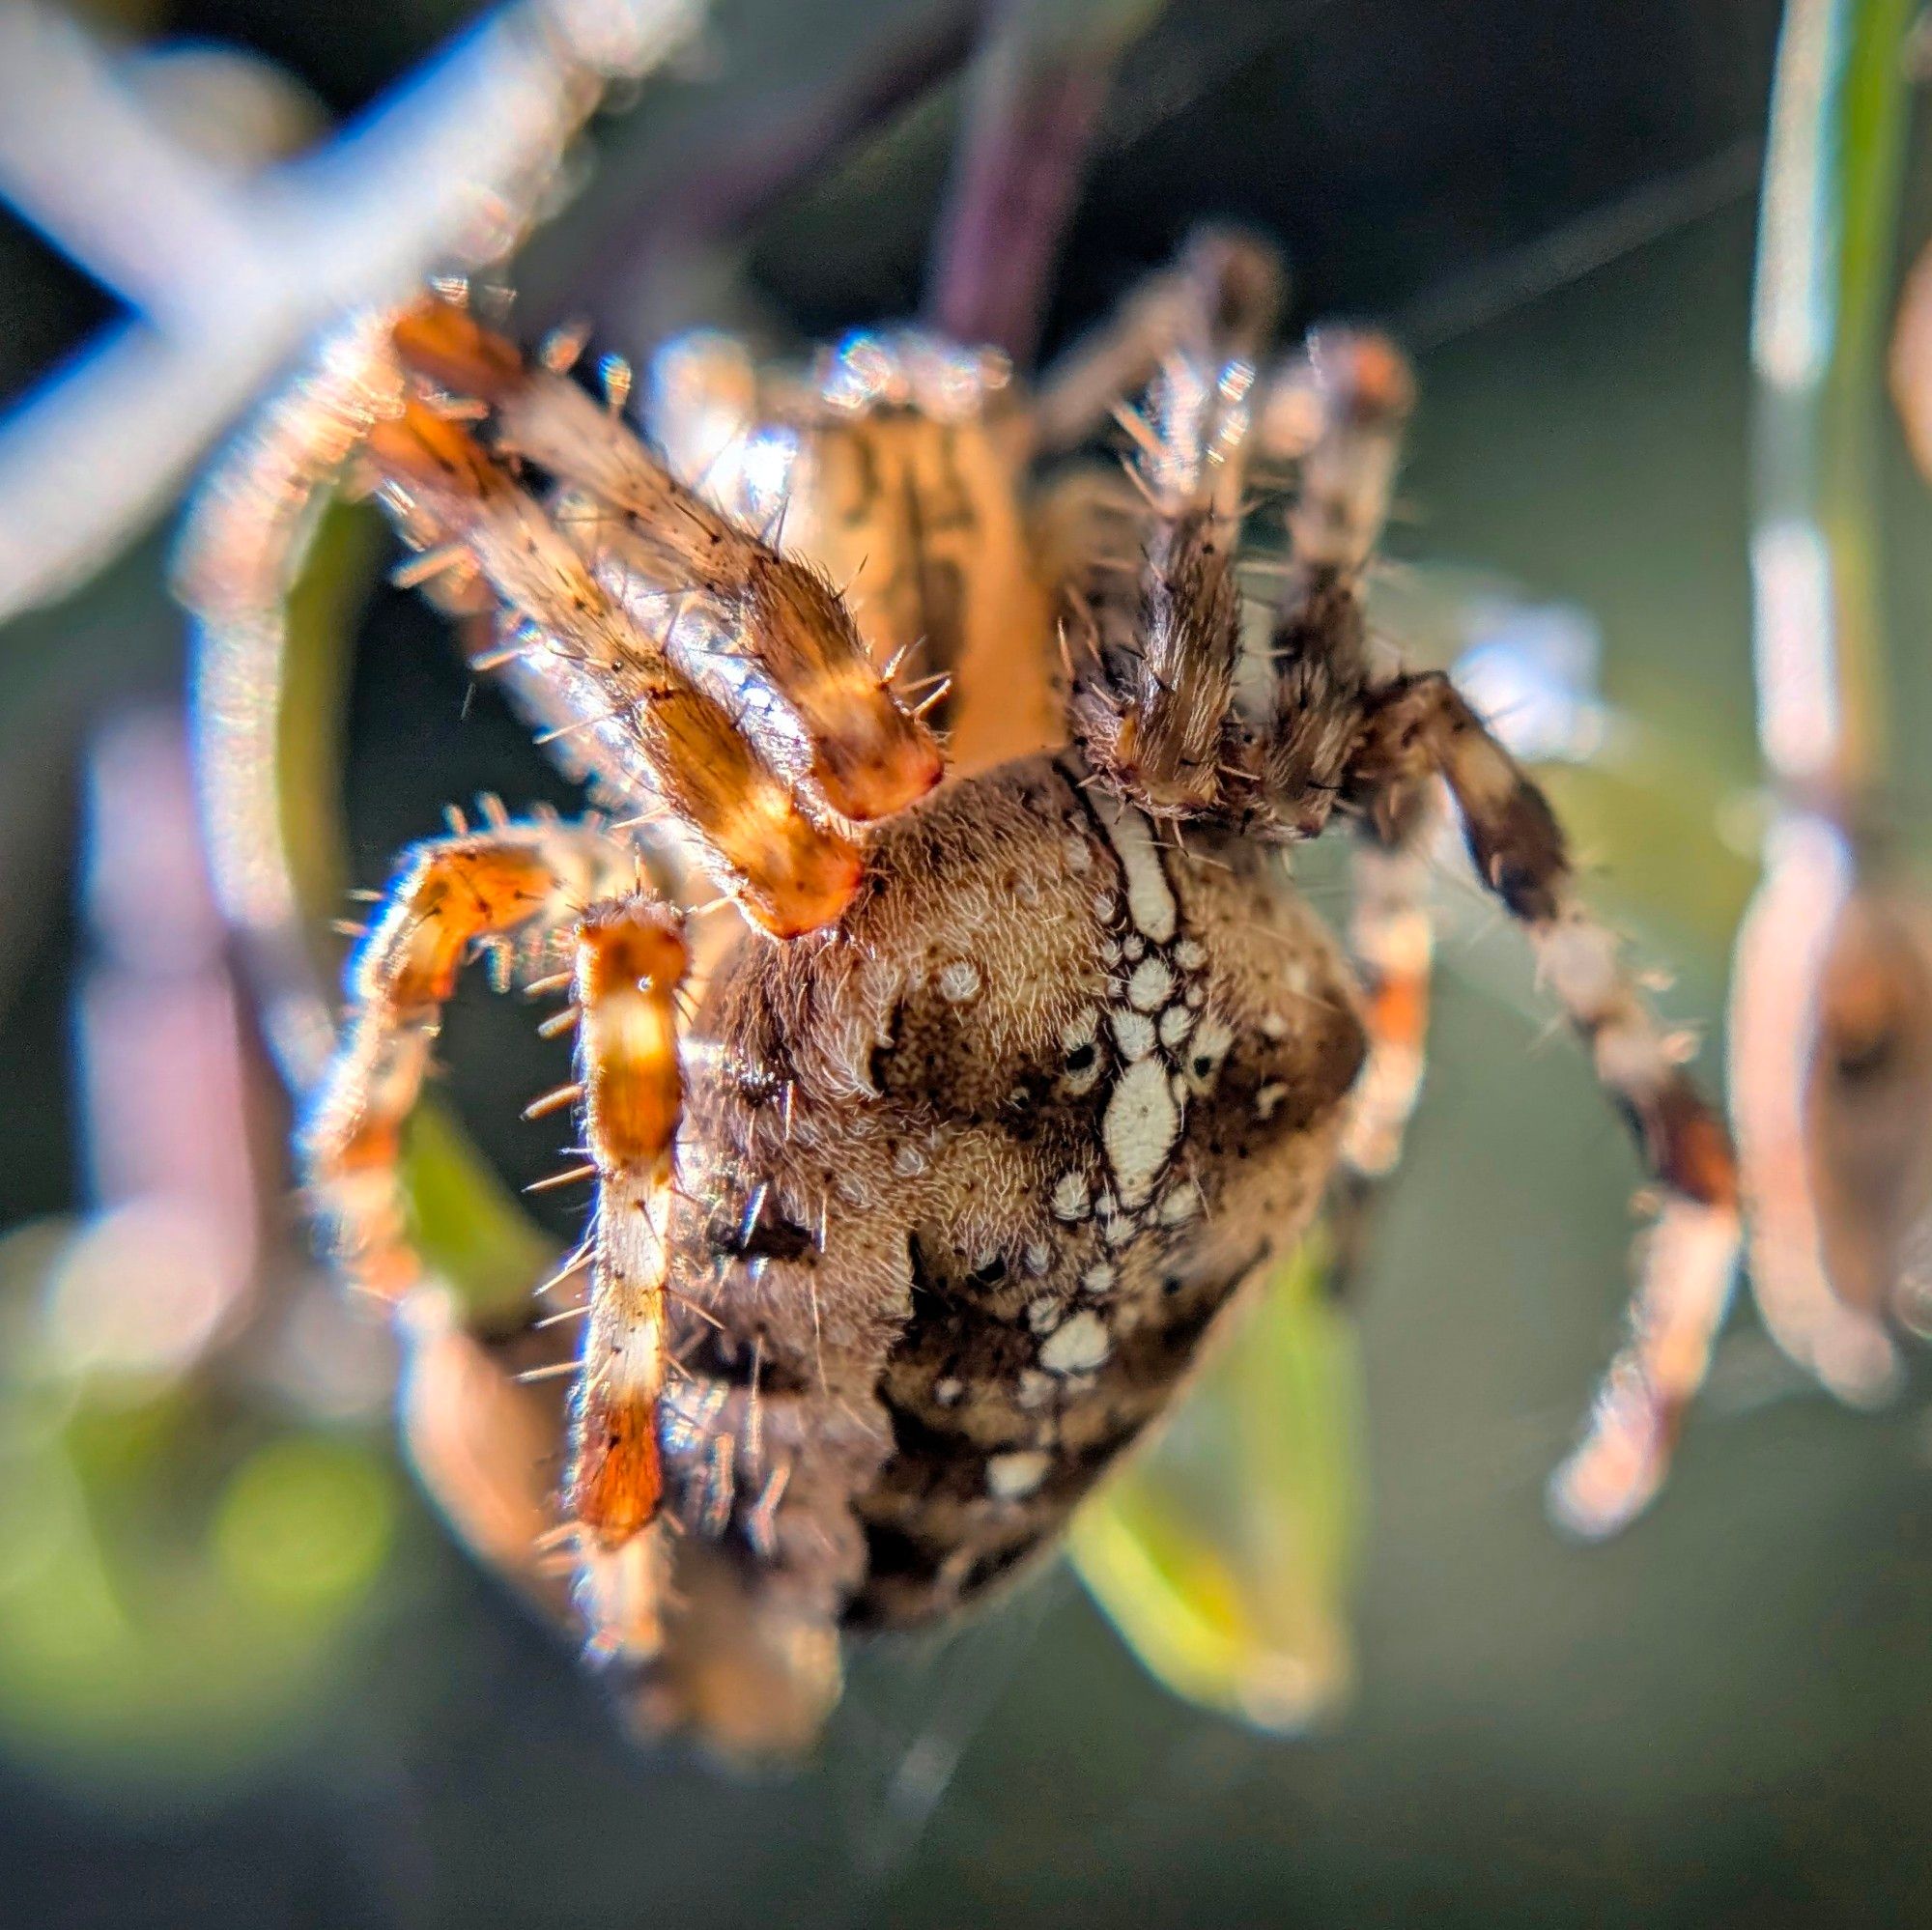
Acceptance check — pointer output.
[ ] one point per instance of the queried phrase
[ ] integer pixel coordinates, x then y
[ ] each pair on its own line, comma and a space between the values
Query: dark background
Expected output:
1721, 1718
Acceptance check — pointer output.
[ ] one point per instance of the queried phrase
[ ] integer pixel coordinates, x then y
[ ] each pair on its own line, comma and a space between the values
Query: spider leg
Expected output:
517, 881
483, 1415
1154, 706
1166, 706
530, 881
1392, 936
696, 661
1392, 939
1079, 394
1351, 391
246, 539
631, 959
1416, 726
1357, 391
629, 712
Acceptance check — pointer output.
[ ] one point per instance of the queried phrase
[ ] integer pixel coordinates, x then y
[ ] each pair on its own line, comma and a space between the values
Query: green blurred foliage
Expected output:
179, 1569
1226, 1553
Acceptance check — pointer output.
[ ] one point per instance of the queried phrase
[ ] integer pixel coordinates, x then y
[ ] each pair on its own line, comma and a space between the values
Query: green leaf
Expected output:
1225, 1552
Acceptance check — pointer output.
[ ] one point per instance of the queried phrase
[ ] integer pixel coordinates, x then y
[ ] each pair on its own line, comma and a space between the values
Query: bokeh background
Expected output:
244, 1680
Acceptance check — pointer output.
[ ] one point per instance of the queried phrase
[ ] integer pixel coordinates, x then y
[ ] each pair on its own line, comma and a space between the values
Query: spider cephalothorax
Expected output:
1001, 1086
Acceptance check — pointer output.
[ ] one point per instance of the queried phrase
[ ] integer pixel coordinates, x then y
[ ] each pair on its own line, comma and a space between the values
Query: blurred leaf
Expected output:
1225, 1554
177, 1574
467, 1222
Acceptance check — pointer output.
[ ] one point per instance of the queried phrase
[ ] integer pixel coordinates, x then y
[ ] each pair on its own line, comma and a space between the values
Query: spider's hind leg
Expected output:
1392, 939
1417, 726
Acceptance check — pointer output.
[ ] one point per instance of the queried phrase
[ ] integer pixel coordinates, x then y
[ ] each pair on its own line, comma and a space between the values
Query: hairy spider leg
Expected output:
1154, 706
1359, 391
631, 960
1392, 941
1342, 729
1355, 392
245, 542
814, 708
1418, 726
482, 1416
529, 882
448, 895
634, 715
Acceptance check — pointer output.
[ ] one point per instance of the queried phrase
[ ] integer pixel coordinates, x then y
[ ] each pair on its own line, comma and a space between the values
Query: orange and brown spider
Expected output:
1018, 1063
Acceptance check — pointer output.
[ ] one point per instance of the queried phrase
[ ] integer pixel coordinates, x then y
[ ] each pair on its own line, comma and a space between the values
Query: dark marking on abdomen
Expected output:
934, 1538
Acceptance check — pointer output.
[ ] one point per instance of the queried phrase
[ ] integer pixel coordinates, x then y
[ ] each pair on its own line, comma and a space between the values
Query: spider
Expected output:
931, 1149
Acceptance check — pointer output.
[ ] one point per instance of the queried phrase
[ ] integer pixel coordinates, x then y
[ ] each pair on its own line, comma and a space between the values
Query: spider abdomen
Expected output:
979, 1169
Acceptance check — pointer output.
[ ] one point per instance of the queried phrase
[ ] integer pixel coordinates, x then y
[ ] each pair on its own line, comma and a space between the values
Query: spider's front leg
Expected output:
1153, 704
687, 657
538, 886
1417, 727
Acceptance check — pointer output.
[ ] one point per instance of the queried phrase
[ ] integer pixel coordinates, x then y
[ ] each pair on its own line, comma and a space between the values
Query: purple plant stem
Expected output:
1030, 131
